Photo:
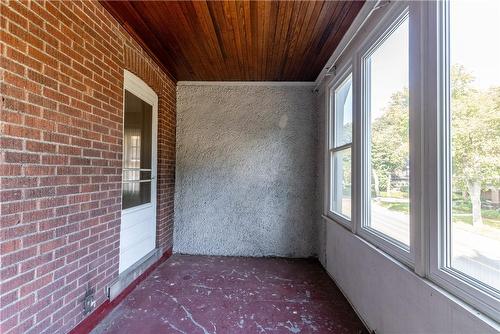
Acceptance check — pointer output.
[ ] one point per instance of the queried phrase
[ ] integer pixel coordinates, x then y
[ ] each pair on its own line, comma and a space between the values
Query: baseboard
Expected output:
349, 301
134, 276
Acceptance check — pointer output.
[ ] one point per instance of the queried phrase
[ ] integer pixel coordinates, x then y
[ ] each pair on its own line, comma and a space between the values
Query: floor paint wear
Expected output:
211, 294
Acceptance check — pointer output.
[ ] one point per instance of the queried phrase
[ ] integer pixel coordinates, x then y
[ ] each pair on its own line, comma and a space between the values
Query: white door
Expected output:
138, 225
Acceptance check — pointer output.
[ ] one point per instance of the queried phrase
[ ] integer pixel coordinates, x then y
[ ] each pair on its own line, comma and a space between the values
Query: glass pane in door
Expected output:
137, 136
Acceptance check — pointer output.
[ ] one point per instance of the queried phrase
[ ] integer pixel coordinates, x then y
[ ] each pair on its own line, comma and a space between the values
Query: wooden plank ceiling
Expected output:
238, 40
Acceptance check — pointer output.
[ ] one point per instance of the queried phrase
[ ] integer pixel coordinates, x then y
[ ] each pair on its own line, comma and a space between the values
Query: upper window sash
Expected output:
341, 94
337, 82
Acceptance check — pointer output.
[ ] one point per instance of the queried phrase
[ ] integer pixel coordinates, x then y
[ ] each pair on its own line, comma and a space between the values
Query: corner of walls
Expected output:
320, 166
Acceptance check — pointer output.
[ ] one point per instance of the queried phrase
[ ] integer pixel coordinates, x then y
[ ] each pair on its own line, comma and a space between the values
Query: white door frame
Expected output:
132, 248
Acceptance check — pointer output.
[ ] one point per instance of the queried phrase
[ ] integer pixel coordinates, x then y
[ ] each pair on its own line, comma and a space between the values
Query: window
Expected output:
414, 135
468, 230
340, 148
474, 244
386, 157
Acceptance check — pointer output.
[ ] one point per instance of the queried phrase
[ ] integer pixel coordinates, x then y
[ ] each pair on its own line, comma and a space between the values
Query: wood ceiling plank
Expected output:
232, 18
327, 15
208, 57
154, 12
299, 33
280, 34
238, 40
212, 48
249, 39
342, 24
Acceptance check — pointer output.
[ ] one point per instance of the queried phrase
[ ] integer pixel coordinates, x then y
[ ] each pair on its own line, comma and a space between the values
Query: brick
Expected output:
34, 146
62, 147
37, 215
16, 307
38, 170
24, 59
36, 285
17, 157
12, 66
10, 195
34, 262
10, 246
39, 192
11, 143
10, 170
18, 256
9, 298
22, 82
42, 79
53, 181
14, 41
9, 272
52, 244
19, 131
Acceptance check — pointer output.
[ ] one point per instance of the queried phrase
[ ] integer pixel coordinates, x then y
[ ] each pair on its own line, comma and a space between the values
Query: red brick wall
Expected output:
60, 161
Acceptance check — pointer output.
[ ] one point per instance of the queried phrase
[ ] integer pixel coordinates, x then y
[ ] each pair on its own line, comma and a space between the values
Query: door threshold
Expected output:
132, 273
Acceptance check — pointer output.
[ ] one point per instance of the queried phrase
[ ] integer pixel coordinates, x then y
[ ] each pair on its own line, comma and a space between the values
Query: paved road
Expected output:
474, 254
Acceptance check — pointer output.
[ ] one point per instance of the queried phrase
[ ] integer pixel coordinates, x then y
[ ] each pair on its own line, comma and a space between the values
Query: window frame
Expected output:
428, 77
394, 17
477, 294
340, 78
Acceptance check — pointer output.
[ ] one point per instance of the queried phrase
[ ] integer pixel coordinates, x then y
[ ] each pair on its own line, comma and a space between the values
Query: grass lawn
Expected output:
461, 213
396, 206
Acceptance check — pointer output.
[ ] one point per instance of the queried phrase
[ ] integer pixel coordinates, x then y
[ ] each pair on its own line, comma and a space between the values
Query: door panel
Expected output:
138, 225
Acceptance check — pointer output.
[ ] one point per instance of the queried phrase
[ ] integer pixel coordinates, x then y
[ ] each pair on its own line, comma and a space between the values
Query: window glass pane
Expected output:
388, 71
136, 152
343, 113
341, 182
136, 193
475, 139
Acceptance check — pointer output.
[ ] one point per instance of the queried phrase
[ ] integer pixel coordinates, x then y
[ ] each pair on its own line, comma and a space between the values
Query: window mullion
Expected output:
418, 81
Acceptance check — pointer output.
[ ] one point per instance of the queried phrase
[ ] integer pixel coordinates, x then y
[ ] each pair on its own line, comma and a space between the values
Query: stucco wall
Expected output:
246, 171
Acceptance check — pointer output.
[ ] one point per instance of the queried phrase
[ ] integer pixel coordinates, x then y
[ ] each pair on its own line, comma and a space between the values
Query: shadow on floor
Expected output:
211, 294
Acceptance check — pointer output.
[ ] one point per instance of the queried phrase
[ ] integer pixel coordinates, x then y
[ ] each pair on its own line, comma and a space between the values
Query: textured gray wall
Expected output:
246, 171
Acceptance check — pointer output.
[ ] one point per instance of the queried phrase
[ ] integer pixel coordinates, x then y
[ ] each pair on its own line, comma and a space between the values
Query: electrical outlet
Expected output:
88, 301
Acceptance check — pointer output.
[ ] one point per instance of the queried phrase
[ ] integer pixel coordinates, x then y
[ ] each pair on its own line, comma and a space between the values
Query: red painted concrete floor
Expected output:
209, 294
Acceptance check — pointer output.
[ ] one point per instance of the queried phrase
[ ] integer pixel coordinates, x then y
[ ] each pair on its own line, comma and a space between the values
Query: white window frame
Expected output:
339, 79
474, 292
395, 15
429, 91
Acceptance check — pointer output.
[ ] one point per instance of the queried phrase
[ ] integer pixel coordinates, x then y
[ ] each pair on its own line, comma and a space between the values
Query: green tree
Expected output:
475, 123
390, 141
